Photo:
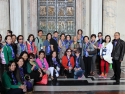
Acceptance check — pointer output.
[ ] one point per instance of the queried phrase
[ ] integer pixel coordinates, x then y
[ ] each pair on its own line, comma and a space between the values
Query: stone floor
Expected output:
90, 85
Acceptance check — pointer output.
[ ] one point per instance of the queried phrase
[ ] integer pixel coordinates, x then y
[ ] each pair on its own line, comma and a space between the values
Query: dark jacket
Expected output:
118, 50
98, 50
80, 61
7, 82
18, 76
52, 64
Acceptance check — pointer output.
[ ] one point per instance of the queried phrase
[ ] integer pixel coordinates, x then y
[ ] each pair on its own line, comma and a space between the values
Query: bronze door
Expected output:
57, 15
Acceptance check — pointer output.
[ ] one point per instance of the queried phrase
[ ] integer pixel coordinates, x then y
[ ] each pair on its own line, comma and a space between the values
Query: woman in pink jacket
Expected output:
42, 63
31, 48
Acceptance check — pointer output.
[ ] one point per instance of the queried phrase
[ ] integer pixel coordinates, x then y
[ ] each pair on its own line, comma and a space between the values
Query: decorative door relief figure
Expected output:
43, 10
61, 12
70, 11
51, 11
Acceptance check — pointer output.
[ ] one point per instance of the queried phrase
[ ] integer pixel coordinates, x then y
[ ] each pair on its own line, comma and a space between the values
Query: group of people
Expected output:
57, 56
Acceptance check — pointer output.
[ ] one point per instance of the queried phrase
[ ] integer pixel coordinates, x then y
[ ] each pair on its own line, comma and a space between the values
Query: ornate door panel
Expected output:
57, 15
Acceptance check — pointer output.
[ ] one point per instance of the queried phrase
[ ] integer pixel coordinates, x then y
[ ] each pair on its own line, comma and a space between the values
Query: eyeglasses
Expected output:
68, 51
20, 39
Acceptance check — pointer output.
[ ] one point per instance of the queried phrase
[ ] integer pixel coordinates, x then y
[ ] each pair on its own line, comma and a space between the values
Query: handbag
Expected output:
44, 80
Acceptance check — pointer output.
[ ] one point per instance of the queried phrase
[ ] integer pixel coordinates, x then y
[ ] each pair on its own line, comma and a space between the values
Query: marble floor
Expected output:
89, 85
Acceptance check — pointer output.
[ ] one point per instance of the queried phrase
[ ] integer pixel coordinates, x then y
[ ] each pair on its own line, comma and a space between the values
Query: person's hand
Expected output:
88, 49
22, 87
79, 68
94, 46
44, 70
120, 61
41, 75
98, 48
101, 57
70, 68
65, 68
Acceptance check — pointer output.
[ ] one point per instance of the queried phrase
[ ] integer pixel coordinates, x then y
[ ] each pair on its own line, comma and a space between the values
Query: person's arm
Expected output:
29, 68
6, 54
51, 44
47, 65
44, 45
110, 49
60, 44
122, 51
7, 82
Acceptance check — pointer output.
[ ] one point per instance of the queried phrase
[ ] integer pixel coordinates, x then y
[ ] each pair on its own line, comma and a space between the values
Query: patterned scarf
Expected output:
77, 62
14, 79
43, 64
22, 47
31, 47
85, 50
22, 74
55, 62
63, 42
48, 49
69, 64
13, 54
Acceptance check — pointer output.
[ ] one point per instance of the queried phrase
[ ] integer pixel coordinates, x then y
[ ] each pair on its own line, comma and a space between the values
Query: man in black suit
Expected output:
117, 55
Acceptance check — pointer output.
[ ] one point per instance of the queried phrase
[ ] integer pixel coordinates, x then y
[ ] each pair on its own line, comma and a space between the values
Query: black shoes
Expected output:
117, 82
113, 78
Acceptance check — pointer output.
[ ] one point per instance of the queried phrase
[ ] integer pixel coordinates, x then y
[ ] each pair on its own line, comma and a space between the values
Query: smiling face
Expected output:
68, 38
116, 36
20, 39
9, 40
75, 39
54, 54
68, 52
56, 35
25, 56
62, 37
14, 39
20, 63
93, 38
86, 40
41, 55
31, 38
107, 39
49, 37
12, 67
40, 34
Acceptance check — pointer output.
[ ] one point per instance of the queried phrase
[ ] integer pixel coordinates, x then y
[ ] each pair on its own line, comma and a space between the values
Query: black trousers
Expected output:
36, 76
99, 64
48, 57
68, 74
15, 91
117, 69
87, 61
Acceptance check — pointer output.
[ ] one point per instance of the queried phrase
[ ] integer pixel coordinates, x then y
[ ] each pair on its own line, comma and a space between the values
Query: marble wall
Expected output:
96, 16
32, 17
4, 17
109, 17
15, 17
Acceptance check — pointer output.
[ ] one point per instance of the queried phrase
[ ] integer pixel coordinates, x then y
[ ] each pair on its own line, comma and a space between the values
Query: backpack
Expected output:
37, 39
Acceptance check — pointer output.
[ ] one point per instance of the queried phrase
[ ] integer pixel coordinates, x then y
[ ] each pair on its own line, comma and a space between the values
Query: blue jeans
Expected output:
78, 73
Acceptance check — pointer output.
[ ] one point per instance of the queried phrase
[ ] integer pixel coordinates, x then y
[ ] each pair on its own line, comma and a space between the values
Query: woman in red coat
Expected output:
68, 63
